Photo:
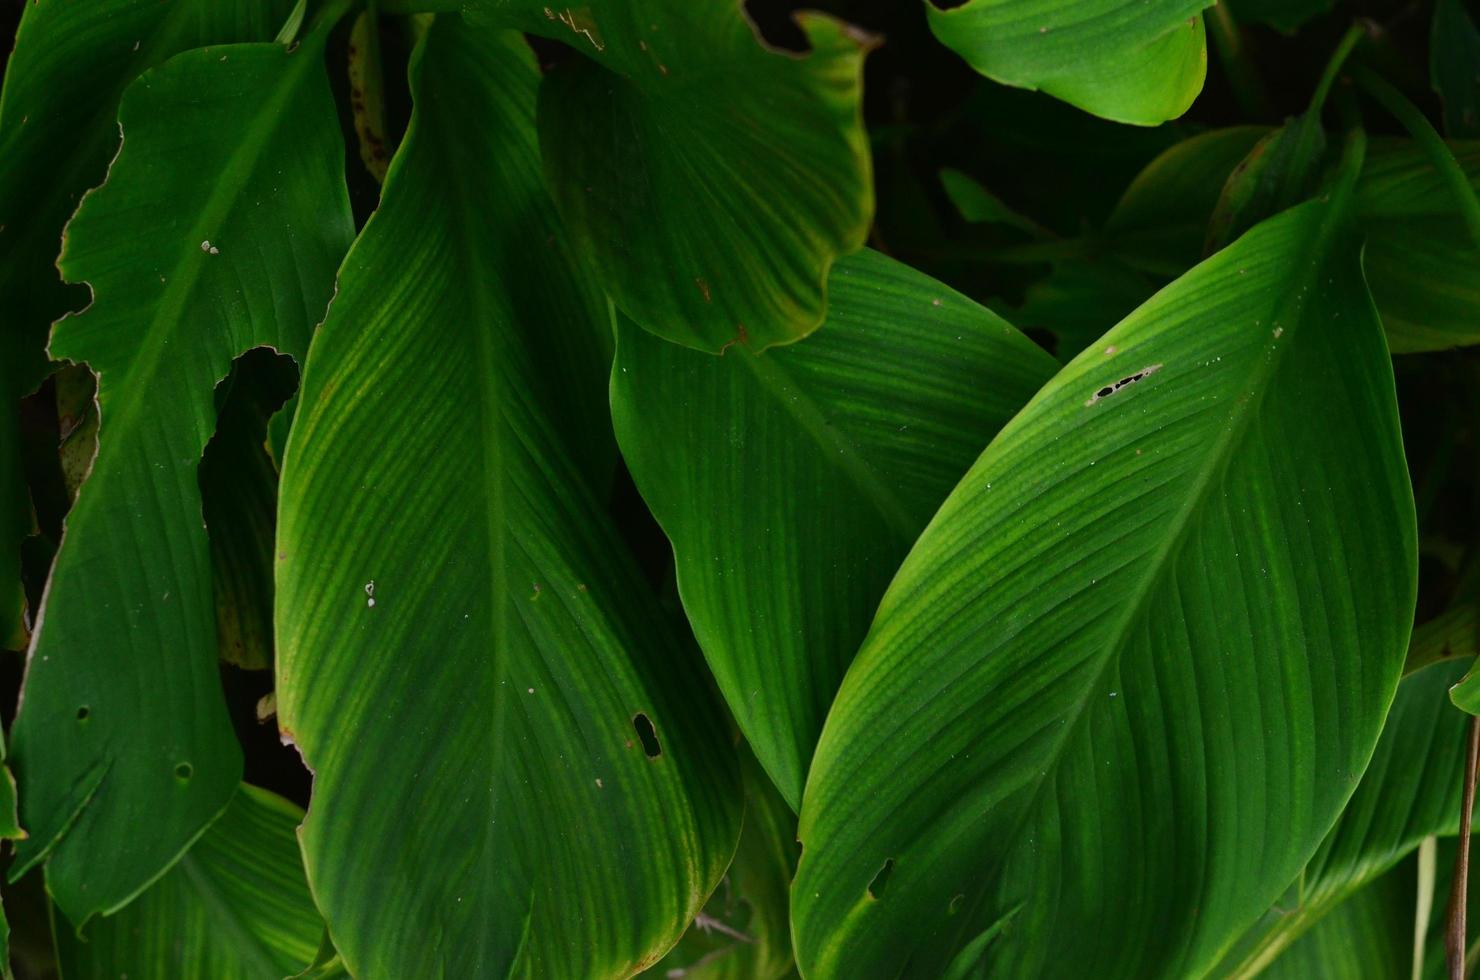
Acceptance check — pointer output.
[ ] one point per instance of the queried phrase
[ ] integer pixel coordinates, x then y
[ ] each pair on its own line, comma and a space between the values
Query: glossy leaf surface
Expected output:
710, 180
1133, 61
235, 907
1181, 579
207, 239
793, 482
468, 661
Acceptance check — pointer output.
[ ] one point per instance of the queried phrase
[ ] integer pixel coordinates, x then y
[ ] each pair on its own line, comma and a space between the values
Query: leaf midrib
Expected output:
137, 378
841, 452
1292, 304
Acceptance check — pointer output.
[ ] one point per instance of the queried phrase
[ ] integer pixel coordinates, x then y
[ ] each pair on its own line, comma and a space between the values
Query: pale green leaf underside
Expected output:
235, 907
710, 180
467, 658
1132, 61
793, 482
1180, 580
219, 229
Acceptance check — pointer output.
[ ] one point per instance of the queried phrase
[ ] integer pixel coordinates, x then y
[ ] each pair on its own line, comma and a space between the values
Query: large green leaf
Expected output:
235, 907
711, 181
219, 229
1410, 791
1133, 61
539, 781
1139, 659
793, 482
58, 130
1422, 264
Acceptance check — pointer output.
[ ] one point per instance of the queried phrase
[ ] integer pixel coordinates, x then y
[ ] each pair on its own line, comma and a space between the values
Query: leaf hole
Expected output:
881, 880
184, 771
83, 713
647, 735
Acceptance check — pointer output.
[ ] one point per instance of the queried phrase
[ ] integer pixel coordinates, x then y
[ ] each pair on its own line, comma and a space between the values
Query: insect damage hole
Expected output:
83, 713
184, 771
881, 880
1124, 382
647, 735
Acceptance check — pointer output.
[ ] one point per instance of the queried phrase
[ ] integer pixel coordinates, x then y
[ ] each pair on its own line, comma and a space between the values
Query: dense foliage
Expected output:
968, 490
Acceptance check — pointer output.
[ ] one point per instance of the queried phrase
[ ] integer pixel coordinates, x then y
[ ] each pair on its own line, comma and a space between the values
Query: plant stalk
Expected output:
1243, 77
1454, 933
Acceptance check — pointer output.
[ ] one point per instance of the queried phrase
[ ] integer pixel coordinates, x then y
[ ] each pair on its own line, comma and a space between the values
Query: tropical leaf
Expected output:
235, 907
1181, 579
792, 483
1410, 791
468, 660
1133, 61
218, 230
1423, 266
1165, 211
710, 180
58, 130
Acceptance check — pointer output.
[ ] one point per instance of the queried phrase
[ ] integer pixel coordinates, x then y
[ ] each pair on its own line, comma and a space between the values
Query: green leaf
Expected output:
58, 130
1411, 790
1423, 266
710, 180
235, 907
744, 932
1454, 67
1174, 589
1369, 935
1280, 171
792, 483
219, 229
1165, 211
468, 659
1132, 61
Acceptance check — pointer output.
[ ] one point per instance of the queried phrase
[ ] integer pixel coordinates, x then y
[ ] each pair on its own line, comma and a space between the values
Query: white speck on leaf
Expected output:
370, 594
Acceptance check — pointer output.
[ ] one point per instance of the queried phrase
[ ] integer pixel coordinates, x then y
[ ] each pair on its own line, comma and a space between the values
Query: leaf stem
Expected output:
1430, 142
1344, 48
1454, 933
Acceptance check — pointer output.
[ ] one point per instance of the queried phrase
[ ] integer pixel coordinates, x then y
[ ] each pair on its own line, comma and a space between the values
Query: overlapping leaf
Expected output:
516, 762
235, 907
219, 229
58, 130
1139, 659
711, 181
1410, 791
1133, 61
1423, 266
793, 482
